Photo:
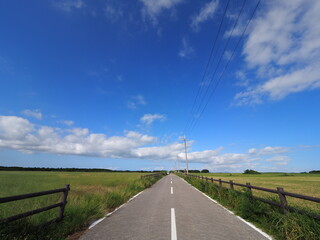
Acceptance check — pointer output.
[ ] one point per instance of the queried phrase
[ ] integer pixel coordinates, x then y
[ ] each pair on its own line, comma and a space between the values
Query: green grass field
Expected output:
92, 195
306, 184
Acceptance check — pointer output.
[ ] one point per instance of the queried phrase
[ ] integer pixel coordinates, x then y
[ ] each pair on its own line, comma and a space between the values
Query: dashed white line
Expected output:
171, 182
171, 190
173, 225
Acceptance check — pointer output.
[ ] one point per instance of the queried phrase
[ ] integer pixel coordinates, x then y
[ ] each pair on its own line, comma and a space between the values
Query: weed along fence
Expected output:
152, 175
283, 203
61, 205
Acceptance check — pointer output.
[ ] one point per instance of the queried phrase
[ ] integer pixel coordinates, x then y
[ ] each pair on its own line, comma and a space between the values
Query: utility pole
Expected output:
185, 151
178, 166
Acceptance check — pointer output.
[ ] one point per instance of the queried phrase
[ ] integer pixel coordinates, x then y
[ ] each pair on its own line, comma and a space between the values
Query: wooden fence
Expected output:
152, 175
61, 204
283, 203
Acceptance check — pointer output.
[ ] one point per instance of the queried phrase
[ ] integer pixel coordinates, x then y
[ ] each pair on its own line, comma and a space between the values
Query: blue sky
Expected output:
112, 84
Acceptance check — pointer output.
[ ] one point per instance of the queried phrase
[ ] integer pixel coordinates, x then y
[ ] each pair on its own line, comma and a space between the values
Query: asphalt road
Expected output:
172, 209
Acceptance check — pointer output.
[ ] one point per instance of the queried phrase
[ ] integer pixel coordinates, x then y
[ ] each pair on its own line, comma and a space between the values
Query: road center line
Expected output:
171, 182
171, 190
173, 225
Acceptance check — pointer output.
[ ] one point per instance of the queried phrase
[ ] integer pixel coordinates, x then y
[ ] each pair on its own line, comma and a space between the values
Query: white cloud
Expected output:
206, 12
136, 101
148, 119
12, 127
19, 134
33, 113
186, 49
283, 46
69, 5
153, 8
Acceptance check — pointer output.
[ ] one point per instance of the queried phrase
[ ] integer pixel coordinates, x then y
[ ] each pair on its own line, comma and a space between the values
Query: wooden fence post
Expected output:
283, 199
211, 180
220, 183
249, 187
64, 203
231, 185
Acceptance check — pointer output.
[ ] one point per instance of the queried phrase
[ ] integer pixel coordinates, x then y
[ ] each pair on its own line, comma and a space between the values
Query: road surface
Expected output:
172, 209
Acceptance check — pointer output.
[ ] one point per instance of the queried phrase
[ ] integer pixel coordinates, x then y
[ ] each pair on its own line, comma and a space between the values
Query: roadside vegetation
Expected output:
301, 183
269, 218
92, 195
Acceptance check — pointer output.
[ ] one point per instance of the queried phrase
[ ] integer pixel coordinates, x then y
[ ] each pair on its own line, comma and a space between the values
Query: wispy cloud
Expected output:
267, 151
69, 5
186, 50
279, 160
283, 47
206, 12
113, 13
148, 119
33, 113
67, 122
153, 8
136, 101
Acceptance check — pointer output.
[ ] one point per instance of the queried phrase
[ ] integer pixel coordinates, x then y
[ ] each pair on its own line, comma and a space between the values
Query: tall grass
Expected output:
305, 184
269, 218
92, 195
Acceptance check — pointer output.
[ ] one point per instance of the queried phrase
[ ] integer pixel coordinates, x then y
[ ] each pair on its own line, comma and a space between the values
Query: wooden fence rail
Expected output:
279, 191
61, 204
152, 175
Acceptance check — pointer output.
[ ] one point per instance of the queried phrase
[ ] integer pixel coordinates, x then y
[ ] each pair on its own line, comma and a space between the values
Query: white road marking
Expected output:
171, 182
96, 222
171, 190
173, 225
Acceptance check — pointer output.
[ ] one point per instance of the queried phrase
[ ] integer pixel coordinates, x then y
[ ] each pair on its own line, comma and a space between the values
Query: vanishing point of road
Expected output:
172, 209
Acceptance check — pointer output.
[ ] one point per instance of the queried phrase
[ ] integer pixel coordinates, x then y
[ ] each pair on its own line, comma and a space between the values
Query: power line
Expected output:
207, 65
217, 66
225, 67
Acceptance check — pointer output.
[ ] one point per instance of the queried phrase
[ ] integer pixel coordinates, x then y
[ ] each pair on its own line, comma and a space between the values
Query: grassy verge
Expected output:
270, 219
92, 195
305, 184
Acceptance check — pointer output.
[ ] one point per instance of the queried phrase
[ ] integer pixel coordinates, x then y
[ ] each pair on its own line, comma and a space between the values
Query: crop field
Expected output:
92, 195
305, 184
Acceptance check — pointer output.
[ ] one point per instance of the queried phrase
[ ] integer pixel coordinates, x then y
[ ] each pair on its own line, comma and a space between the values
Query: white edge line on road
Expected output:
173, 225
250, 224
96, 222
101, 219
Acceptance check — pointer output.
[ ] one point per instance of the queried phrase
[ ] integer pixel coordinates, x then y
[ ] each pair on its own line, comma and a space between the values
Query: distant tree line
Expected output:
250, 171
2, 168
